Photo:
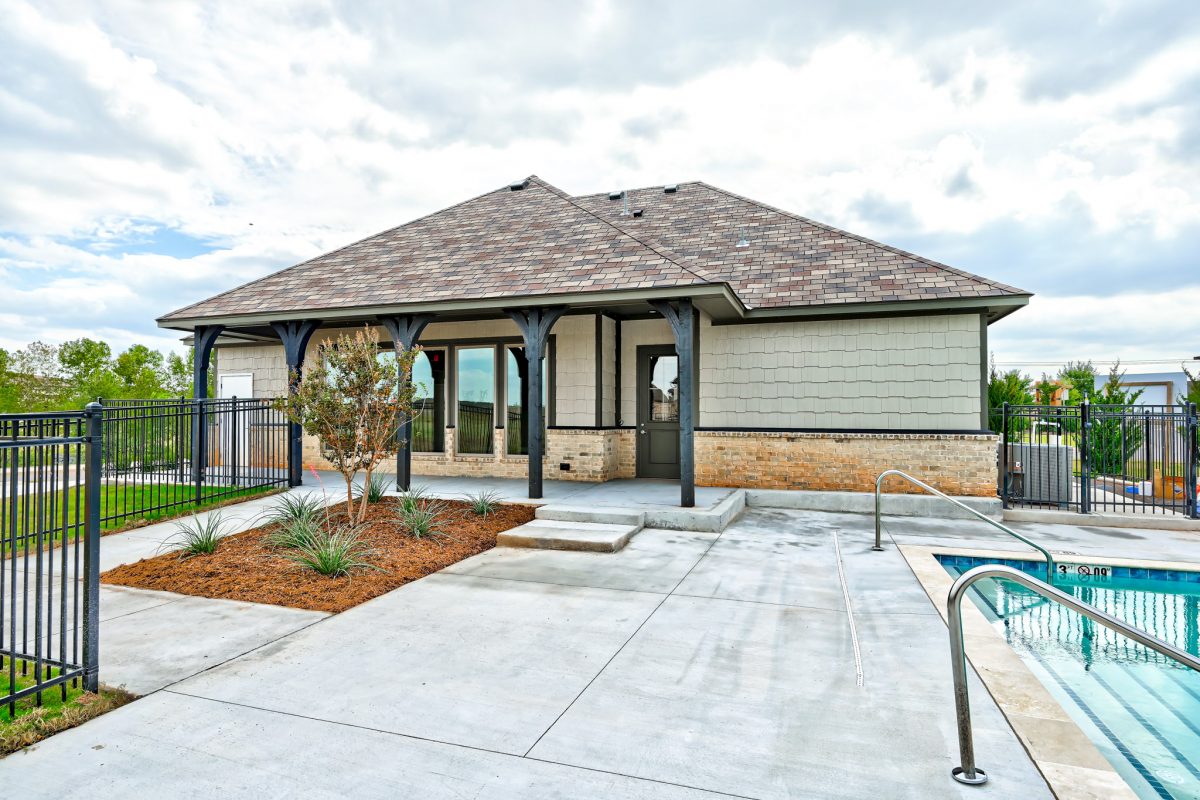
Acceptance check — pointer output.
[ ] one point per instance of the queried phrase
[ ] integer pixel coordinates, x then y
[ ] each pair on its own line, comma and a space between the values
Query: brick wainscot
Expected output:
958, 464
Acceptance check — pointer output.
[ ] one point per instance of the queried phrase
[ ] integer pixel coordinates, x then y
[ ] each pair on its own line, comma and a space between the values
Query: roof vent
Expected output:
637, 212
626, 211
517, 186
671, 188
615, 195
743, 239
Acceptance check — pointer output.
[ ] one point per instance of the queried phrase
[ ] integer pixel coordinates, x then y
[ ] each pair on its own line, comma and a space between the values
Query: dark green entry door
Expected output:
657, 412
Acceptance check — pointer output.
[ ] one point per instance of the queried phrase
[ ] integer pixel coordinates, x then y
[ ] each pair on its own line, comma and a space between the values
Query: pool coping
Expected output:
1073, 767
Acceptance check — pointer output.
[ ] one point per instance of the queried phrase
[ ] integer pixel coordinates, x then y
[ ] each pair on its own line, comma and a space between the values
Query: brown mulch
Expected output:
246, 567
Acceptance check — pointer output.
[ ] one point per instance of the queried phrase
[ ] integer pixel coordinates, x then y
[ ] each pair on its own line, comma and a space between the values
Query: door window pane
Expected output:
476, 399
664, 389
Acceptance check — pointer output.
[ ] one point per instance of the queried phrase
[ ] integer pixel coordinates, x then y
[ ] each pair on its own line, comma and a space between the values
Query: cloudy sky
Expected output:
152, 154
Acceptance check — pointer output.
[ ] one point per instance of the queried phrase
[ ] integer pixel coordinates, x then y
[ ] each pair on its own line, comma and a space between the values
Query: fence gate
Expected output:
49, 553
1128, 459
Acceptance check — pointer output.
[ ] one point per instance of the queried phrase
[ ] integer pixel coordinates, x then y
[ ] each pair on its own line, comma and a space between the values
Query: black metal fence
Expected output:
476, 422
164, 455
476, 426
1101, 458
49, 553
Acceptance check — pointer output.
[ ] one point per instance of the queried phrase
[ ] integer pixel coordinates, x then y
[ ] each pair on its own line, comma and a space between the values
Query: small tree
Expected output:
1007, 387
1080, 379
1193, 388
354, 399
1113, 438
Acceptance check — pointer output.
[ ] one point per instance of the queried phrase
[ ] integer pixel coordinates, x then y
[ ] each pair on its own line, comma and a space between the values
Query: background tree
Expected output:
1006, 387
9, 391
177, 376
37, 376
87, 371
141, 372
354, 401
1080, 379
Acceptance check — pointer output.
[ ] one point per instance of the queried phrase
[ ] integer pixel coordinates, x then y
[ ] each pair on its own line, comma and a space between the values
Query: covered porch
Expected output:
613, 378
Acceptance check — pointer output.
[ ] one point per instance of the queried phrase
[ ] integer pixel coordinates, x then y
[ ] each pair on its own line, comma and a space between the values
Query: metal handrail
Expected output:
967, 772
879, 524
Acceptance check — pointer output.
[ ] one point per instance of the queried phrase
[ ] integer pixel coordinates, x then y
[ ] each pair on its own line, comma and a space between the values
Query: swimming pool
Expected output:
1140, 709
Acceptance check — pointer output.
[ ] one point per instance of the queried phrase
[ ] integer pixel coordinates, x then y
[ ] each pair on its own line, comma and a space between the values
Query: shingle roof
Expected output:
790, 260
536, 241
540, 241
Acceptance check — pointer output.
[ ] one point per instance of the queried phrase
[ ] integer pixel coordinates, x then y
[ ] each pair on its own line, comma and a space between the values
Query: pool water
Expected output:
1141, 709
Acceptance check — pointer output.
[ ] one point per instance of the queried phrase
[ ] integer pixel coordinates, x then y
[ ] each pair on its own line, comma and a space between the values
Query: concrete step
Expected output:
703, 520
547, 534
599, 514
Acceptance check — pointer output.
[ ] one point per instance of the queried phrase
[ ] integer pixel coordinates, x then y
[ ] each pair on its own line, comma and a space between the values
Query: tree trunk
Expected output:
365, 501
349, 476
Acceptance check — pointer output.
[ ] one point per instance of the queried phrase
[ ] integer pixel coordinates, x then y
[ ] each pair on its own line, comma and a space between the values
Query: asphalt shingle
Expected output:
540, 241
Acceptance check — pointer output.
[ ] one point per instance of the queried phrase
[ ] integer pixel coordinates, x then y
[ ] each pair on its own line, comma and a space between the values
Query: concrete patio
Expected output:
687, 665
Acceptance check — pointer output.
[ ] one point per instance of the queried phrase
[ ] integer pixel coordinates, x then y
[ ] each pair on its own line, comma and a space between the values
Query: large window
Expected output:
476, 380
429, 383
514, 424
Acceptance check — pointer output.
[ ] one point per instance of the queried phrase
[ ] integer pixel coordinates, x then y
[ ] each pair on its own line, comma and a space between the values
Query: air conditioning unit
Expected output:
1041, 473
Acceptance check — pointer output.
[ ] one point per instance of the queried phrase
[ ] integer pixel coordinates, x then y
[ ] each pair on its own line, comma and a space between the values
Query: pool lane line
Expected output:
858, 667
1087, 710
1183, 760
1103, 727
1162, 701
1182, 684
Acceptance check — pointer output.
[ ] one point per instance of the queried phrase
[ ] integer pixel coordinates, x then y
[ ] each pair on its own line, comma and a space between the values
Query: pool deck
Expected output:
688, 665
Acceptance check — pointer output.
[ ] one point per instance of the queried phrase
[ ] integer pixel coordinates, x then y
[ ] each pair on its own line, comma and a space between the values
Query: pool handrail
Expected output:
967, 772
879, 522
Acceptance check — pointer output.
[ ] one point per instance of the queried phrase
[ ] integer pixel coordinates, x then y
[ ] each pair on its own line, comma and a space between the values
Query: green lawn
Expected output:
120, 506
62, 707
130, 503
52, 699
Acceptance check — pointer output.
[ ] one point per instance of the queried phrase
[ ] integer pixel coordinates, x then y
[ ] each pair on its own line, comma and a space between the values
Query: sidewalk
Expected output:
689, 665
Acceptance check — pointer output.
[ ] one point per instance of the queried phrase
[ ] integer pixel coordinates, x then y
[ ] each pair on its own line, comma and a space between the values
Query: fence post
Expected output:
1193, 461
199, 446
94, 415
1004, 487
235, 434
1085, 466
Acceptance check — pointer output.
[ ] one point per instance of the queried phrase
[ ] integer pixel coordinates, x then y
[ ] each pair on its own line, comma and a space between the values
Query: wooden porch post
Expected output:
295, 335
405, 330
535, 325
203, 339
682, 318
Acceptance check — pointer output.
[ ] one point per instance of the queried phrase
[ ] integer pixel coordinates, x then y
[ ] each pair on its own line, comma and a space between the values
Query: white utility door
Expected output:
234, 426
236, 384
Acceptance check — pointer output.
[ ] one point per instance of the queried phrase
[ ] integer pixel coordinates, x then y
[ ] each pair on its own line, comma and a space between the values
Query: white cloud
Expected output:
1136, 328
278, 134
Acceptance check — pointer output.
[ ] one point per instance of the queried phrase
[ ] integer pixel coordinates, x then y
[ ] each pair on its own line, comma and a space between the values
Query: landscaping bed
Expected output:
252, 566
